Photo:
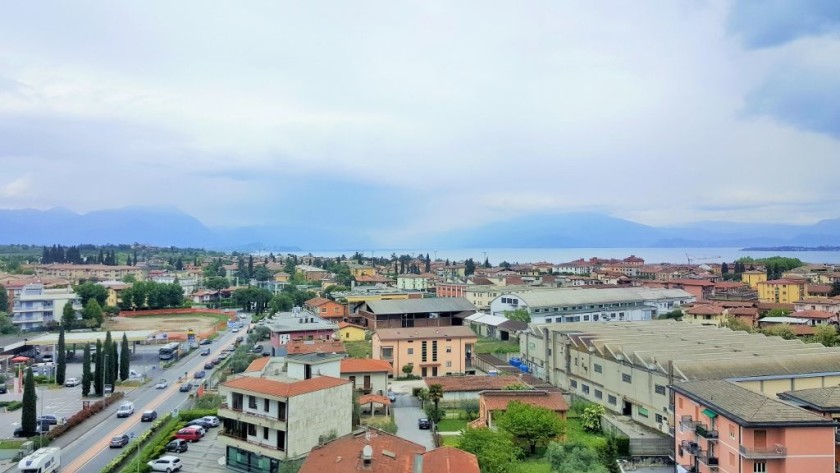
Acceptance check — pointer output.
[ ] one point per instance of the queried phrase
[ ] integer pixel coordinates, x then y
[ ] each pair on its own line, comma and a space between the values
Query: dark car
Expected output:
119, 441
41, 428
424, 423
216, 360
204, 352
258, 348
148, 416
199, 374
185, 387
200, 423
177, 446
3, 388
209, 365
206, 341
48, 419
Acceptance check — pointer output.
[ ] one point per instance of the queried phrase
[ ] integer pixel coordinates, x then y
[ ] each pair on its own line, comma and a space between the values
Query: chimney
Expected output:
367, 455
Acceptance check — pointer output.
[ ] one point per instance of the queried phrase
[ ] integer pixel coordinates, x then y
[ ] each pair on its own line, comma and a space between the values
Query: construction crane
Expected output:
691, 258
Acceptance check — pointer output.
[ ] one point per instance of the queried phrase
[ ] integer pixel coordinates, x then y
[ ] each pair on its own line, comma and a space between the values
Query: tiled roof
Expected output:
692, 282
819, 289
706, 309
745, 407
419, 306
364, 365
391, 454
302, 347
751, 311
453, 384
812, 314
452, 331
369, 398
784, 281
348, 324
449, 460
258, 364
822, 399
271, 387
317, 302
499, 400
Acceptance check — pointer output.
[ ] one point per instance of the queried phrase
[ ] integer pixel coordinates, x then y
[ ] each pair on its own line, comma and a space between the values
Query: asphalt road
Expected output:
406, 412
90, 451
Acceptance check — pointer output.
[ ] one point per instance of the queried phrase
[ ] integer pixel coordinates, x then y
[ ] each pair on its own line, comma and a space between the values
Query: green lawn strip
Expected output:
534, 465
360, 349
575, 432
450, 440
491, 345
452, 425
154, 447
11, 444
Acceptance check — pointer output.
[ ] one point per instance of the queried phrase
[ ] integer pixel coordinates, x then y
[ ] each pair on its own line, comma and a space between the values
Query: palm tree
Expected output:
436, 394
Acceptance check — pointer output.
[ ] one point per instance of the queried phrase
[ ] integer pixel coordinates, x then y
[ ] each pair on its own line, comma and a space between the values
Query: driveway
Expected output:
406, 412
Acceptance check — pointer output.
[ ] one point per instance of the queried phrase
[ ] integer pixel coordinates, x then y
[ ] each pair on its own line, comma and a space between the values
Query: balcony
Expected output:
228, 438
706, 433
710, 460
691, 447
837, 436
260, 419
766, 453
688, 424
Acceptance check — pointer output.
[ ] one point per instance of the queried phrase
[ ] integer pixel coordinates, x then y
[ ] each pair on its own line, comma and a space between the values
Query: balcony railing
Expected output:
776, 451
706, 433
281, 417
690, 447
688, 424
252, 442
709, 459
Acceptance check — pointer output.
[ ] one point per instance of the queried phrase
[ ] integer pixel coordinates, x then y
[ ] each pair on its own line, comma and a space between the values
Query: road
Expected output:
90, 451
406, 412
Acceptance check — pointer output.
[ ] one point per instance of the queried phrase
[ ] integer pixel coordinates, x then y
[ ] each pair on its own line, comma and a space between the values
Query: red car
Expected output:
190, 435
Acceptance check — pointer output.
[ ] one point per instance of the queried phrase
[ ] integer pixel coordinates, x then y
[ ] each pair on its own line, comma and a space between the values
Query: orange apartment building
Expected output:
326, 308
432, 351
723, 427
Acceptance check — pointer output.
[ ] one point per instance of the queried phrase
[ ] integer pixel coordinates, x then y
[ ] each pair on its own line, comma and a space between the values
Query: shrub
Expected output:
134, 446
14, 405
84, 414
191, 414
591, 418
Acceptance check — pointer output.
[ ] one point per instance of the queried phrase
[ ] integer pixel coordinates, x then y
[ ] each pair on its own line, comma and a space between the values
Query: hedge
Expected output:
135, 444
84, 414
191, 414
14, 405
155, 447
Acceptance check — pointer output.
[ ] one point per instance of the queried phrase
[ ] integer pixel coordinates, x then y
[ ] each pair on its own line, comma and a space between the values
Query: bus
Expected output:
169, 351
43, 460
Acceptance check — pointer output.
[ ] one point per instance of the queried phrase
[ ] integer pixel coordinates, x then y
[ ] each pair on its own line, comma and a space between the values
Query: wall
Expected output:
318, 414
402, 357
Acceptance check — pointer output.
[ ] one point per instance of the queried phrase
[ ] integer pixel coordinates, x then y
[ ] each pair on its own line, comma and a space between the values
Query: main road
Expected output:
91, 452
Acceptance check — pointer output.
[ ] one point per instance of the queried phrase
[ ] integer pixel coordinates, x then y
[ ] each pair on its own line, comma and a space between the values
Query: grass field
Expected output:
358, 349
491, 345
198, 321
450, 440
452, 425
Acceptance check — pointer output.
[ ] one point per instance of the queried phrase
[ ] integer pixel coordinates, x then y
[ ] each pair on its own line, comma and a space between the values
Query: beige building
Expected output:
432, 351
413, 282
89, 272
753, 278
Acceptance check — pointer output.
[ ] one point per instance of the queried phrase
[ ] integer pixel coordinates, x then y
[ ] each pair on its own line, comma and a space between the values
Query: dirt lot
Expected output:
171, 323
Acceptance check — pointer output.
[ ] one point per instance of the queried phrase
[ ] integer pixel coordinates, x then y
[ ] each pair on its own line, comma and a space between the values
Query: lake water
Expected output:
562, 255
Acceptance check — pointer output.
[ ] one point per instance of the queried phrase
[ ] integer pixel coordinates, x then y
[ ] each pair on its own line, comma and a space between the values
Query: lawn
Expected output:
534, 465
450, 440
492, 345
452, 425
358, 349
575, 432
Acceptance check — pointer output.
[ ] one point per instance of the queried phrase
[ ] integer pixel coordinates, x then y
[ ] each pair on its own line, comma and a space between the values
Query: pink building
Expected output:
723, 427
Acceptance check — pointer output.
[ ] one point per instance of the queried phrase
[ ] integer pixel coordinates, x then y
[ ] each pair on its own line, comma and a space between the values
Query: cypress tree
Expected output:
86, 375
97, 374
114, 364
61, 362
28, 419
124, 358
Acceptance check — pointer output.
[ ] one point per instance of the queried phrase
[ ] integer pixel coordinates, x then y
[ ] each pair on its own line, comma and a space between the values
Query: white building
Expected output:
36, 306
412, 282
585, 305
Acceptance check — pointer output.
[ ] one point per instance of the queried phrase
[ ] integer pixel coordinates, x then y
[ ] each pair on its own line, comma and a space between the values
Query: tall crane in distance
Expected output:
691, 258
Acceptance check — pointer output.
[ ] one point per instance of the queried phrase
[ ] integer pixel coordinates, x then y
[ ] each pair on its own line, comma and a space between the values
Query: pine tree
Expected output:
97, 374
86, 375
28, 419
61, 363
124, 358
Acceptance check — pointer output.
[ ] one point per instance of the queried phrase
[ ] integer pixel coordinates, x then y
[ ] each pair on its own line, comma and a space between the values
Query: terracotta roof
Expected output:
813, 314
819, 289
258, 364
303, 347
391, 454
692, 282
784, 281
348, 324
499, 400
743, 311
271, 387
803, 330
449, 460
730, 285
820, 300
368, 398
364, 365
372, 279
456, 331
317, 301
472, 383
706, 309
773, 305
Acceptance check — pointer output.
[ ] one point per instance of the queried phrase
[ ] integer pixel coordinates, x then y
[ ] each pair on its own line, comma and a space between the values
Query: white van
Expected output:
43, 460
126, 409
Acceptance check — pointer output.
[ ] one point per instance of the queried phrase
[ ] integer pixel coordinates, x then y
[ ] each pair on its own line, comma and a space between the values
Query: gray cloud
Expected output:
769, 23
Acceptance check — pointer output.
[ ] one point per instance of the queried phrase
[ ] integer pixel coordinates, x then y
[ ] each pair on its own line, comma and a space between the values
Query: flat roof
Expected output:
416, 306
583, 296
91, 337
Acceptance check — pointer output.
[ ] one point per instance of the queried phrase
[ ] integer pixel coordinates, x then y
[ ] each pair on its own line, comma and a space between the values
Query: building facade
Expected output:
35, 307
430, 351
781, 291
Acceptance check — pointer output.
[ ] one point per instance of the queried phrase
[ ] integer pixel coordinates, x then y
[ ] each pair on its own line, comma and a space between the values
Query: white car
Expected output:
70, 382
235, 330
161, 384
168, 463
212, 420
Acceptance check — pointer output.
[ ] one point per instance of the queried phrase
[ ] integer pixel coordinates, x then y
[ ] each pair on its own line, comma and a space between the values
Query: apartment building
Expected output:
726, 428
753, 278
269, 417
415, 282
88, 272
311, 273
368, 376
298, 325
628, 366
326, 308
705, 314
415, 313
781, 291
35, 306
828, 304
431, 351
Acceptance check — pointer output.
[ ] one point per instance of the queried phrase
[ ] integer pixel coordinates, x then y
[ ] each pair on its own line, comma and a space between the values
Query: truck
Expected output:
43, 460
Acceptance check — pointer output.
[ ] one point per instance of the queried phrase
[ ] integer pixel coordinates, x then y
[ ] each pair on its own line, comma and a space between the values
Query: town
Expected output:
413, 364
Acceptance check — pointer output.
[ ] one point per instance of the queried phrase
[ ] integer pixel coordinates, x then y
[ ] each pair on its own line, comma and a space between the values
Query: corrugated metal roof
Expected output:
571, 296
416, 306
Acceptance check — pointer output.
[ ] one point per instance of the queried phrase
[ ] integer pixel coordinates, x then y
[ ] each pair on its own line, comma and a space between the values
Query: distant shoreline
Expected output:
792, 248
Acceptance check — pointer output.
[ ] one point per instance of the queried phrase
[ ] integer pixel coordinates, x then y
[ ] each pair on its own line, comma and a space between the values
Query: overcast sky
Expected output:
424, 114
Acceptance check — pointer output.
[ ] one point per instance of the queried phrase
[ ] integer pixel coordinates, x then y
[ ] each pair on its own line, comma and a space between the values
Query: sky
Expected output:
408, 118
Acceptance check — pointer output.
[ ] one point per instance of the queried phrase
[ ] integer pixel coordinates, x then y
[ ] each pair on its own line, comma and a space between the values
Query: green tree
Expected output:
125, 360
674, 314
521, 315
780, 330
573, 457
835, 289
734, 323
436, 394
61, 362
28, 419
495, 449
6, 324
423, 396
591, 417
4, 299
469, 267
98, 372
609, 455
92, 313
114, 363
87, 378
216, 283
68, 315
777, 312
532, 424
91, 290
281, 303
407, 369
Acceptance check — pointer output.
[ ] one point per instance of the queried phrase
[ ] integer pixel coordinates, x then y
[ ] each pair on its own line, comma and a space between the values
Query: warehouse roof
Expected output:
819, 399
418, 306
571, 296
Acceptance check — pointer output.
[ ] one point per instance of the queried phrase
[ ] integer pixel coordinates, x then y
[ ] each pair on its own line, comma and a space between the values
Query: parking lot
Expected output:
206, 455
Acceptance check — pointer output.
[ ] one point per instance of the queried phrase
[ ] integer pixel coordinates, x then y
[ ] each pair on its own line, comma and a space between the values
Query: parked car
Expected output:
126, 409
108, 389
41, 428
424, 423
209, 365
201, 423
119, 441
185, 387
190, 435
177, 446
205, 341
392, 396
166, 463
201, 430
258, 348
223, 355
50, 419
148, 416
204, 352
235, 329
161, 384
212, 420
3, 388
216, 360
199, 374
71, 382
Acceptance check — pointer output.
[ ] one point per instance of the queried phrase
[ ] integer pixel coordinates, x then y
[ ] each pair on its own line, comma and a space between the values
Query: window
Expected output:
598, 368
599, 394
731, 458
548, 320
449, 364
423, 351
323, 310
679, 402
585, 388
643, 412
265, 433
732, 431
410, 351
659, 389
434, 350
760, 467
659, 418
612, 400
252, 402
573, 383
626, 378
265, 405
252, 429
387, 353
448, 349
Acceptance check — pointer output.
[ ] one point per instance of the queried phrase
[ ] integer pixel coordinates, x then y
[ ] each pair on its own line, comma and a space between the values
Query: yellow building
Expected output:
361, 270
705, 314
431, 351
281, 277
351, 332
781, 291
753, 278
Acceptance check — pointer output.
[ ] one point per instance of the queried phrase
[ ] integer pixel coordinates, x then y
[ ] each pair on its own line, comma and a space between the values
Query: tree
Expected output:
86, 375
591, 417
4, 299
780, 330
734, 323
97, 374
68, 315
423, 396
521, 315
724, 268
469, 267
835, 289
535, 425
114, 363
573, 457
28, 417
92, 313
91, 290
216, 283
487, 263
6, 324
61, 362
407, 369
777, 312
494, 449
124, 359
262, 273
179, 265
436, 394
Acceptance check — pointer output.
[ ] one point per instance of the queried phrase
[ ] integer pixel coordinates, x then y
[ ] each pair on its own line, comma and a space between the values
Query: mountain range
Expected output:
166, 226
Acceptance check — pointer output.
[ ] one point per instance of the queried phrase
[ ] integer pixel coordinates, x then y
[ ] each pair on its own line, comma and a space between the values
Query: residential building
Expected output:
628, 366
782, 291
351, 332
492, 404
367, 375
828, 304
467, 388
429, 350
298, 325
753, 278
747, 315
376, 451
282, 277
701, 289
304, 347
268, 419
361, 294
311, 273
733, 291
375, 279
584, 305
114, 290
415, 313
413, 282
800, 327
705, 314
450, 289
89, 272
482, 295
326, 308
816, 317
726, 428
360, 270
495, 326
35, 307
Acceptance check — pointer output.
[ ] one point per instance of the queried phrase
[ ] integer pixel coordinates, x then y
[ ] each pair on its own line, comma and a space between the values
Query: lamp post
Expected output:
40, 394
